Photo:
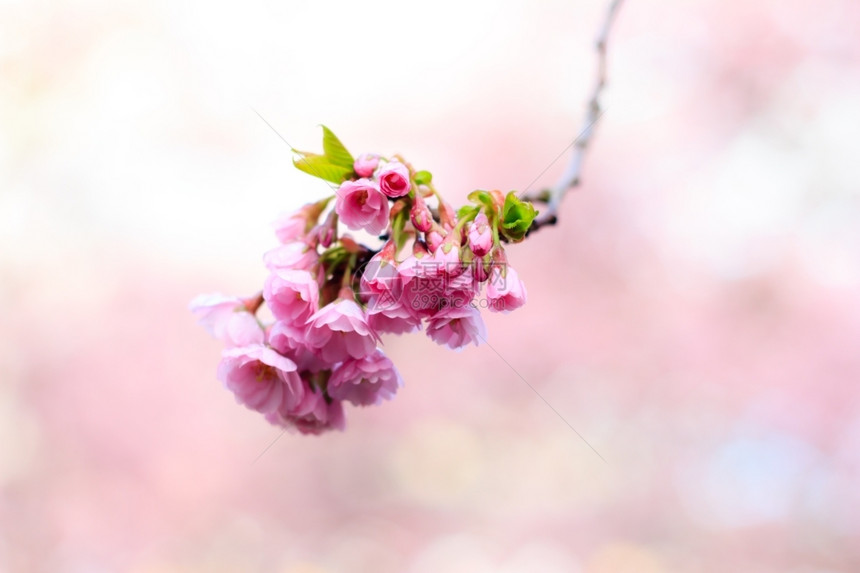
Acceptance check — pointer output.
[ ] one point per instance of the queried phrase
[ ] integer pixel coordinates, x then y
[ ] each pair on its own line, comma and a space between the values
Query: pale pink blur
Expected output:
695, 316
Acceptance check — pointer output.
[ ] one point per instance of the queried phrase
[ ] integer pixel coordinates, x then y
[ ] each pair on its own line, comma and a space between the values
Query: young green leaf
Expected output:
335, 151
398, 226
423, 178
468, 212
517, 217
482, 198
320, 166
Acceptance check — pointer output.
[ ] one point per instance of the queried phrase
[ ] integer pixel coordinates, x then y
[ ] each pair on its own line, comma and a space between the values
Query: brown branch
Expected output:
572, 174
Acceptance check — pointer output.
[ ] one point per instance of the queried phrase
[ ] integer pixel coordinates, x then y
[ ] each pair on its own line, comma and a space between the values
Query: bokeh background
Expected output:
695, 316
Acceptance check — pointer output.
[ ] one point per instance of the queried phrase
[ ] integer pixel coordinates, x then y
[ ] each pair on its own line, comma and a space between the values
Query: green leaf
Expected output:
423, 178
517, 217
397, 229
335, 151
467, 211
482, 198
320, 166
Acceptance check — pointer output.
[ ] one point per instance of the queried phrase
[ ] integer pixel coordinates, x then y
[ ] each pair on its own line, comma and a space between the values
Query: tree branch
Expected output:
571, 176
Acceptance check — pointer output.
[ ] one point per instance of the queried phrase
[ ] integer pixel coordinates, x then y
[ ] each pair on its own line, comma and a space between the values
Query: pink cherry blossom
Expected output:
505, 293
366, 381
242, 329
463, 285
315, 414
290, 227
292, 295
435, 282
326, 303
323, 416
392, 316
261, 379
457, 326
291, 341
297, 256
380, 276
286, 337
424, 284
361, 205
480, 235
382, 289
295, 226
227, 319
447, 256
365, 165
339, 331
213, 309
394, 179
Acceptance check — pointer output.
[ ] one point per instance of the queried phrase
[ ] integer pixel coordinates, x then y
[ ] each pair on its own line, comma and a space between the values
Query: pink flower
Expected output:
291, 341
394, 179
457, 326
464, 285
365, 165
424, 284
214, 309
314, 416
314, 413
227, 319
382, 288
292, 295
505, 293
380, 275
366, 381
480, 235
339, 331
325, 416
291, 227
291, 256
361, 205
447, 256
287, 337
392, 316
295, 226
261, 379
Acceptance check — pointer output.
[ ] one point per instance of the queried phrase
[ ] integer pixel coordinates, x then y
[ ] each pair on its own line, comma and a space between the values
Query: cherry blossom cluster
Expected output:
330, 297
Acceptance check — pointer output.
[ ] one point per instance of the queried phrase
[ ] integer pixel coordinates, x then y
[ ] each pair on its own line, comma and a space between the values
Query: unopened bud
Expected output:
422, 220
434, 239
480, 235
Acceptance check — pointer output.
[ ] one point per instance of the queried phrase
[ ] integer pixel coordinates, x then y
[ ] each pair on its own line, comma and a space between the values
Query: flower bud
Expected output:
480, 270
434, 239
366, 164
394, 179
447, 215
422, 220
480, 235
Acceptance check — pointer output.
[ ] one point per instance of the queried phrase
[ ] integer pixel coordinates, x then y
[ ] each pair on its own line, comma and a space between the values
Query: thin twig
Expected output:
571, 176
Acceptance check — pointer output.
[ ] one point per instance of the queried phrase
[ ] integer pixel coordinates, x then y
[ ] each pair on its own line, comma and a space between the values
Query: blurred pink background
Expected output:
695, 316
